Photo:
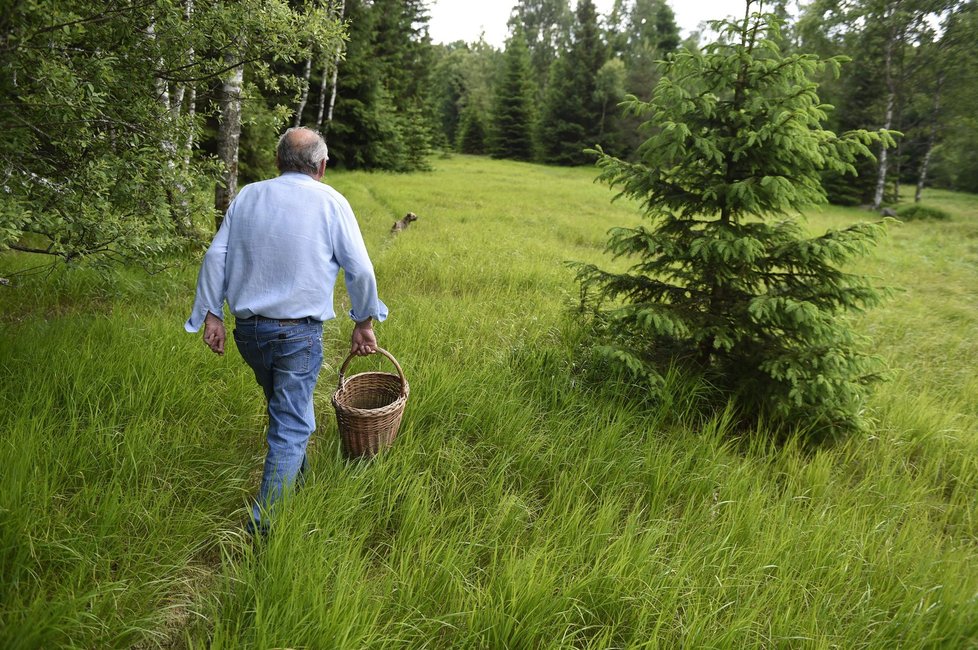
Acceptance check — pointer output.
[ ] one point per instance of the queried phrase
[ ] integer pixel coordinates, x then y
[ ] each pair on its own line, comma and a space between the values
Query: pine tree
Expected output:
545, 25
471, 132
462, 81
652, 25
382, 119
571, 114
642, 32
726, 283
512, 118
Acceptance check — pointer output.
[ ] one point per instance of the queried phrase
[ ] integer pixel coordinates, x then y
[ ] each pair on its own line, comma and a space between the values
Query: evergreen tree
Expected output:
545, 25
726, 283
462, 81
652, 26
956, 154
448, 87
640, 32
666, 29
571, 114
363, 133
382, 117
512, 117
472, 133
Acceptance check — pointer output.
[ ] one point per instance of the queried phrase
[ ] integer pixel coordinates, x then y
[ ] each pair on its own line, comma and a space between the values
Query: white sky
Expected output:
453, 20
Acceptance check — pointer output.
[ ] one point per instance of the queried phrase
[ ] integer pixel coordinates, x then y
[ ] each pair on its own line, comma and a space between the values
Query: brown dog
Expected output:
402, 224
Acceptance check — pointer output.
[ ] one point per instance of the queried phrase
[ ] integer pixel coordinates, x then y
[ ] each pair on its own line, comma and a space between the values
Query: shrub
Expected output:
917, 212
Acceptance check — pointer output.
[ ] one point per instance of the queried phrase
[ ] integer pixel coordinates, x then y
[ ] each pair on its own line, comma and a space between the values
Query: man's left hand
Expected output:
214, 333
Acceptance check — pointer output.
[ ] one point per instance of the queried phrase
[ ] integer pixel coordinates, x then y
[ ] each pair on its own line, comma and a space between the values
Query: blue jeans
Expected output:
285, 357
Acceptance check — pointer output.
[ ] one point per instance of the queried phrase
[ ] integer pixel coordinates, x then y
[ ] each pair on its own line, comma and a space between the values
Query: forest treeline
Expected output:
117, 114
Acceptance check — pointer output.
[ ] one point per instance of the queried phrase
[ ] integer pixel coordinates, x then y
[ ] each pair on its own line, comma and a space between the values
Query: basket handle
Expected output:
386, 354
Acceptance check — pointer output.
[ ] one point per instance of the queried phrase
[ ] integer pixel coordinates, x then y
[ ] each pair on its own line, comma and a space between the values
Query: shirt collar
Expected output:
292, 174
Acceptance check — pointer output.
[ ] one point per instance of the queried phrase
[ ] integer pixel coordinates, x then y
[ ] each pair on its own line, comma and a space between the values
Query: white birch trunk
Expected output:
176, 100
897, 168
228, 137
304, 97
888, 121
162, 89
188, 145
336, 71
191, 94
180, 89
332, 97
931, 139
172, 104
322, 94
923, 170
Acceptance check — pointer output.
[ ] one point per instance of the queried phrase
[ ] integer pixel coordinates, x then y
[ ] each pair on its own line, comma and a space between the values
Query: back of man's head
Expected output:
301, 150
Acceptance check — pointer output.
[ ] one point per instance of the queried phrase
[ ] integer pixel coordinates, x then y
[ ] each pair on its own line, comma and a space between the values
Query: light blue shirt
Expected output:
279, 251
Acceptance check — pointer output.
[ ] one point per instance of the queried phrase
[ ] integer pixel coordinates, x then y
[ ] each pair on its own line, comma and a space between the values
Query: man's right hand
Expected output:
363, 341
214, 333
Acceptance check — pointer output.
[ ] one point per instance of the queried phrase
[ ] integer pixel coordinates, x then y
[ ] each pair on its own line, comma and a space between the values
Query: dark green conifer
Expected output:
571, 114
381, 121
471, 132
725, 281
512, 118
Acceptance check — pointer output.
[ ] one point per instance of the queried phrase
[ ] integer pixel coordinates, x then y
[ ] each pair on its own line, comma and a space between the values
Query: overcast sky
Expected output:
453, 20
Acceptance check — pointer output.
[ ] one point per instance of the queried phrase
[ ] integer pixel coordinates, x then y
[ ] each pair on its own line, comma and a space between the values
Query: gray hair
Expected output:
301, 150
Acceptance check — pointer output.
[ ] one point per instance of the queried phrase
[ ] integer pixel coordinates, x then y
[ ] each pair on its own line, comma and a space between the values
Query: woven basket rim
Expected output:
396, 405
375, 412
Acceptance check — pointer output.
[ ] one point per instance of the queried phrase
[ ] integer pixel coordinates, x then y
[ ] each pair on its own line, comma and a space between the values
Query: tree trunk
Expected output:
336, 71
881, 173
176, 100
887, 121
322, 94
162, 89
897, 168
332, 97
305, 92
188, 145
179, 92
172, 105
931, 139
228, 136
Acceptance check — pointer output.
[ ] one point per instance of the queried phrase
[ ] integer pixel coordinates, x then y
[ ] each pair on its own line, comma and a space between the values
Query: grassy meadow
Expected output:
520, 507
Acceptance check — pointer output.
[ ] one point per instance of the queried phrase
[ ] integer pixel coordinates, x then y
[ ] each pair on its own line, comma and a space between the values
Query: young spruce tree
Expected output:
726, 283
512, 116
571, 111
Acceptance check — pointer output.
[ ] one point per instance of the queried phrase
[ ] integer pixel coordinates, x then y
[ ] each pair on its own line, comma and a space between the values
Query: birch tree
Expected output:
888, 41
335, 70
99, 101
228, 138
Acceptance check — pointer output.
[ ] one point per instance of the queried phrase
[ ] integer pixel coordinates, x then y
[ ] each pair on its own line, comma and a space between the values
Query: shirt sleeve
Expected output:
358, 271
211, 280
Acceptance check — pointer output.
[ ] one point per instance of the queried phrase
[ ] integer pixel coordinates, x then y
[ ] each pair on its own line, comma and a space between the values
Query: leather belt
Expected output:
280, 321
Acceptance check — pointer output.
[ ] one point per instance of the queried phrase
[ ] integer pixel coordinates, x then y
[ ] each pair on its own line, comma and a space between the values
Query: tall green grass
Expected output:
521, 507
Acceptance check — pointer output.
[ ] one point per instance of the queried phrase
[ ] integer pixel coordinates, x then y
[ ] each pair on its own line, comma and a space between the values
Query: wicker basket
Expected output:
369, 406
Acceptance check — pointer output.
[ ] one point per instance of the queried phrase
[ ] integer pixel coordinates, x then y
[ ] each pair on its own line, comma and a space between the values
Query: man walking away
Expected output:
275, 260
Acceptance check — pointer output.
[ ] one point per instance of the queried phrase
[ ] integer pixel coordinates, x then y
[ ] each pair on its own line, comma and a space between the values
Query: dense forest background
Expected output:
120, 116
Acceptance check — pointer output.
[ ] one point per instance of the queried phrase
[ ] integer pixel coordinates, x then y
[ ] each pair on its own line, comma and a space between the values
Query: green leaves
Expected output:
97, 157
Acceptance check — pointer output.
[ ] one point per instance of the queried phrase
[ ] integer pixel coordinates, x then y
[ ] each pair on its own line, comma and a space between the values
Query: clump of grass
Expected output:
918, 212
